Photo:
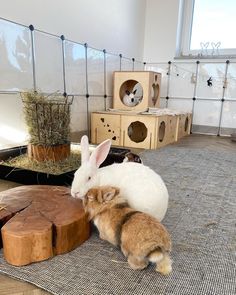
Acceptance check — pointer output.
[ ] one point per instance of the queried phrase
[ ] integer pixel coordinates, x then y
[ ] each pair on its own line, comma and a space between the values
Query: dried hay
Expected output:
47, 117
49, 167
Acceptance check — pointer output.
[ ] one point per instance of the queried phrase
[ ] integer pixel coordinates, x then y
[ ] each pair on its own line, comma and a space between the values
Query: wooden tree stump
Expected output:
40, 221
43, 153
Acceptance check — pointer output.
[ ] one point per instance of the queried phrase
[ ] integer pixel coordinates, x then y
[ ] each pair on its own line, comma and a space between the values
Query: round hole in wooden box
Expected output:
186, 124
137, 131
131, 93
155, 93
162, 129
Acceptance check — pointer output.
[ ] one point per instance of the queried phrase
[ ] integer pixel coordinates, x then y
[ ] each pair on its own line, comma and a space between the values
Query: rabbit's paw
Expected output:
137, 262
164, 266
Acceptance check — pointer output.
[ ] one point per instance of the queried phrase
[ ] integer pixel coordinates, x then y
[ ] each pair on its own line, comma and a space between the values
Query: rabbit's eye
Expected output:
89, 178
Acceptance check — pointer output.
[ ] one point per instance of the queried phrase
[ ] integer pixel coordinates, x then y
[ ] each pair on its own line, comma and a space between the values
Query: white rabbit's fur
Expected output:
130, 100
141, 186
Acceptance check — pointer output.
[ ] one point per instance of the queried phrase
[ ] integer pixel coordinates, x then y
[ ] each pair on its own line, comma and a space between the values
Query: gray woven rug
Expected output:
201, 219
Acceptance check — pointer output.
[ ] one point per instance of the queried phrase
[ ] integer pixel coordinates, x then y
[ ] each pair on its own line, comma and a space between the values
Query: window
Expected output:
208, 28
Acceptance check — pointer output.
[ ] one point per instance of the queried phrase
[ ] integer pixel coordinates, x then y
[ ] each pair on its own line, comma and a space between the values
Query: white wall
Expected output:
160, 41
161, 30
114, 25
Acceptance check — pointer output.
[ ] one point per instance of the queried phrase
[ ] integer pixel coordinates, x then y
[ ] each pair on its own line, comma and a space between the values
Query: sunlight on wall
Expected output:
10, 135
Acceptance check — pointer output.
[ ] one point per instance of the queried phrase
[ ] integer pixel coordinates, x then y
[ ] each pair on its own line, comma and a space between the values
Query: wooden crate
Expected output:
172, 127
184, 125
149, 82
138, 131
104, 126
132, 130
162, 136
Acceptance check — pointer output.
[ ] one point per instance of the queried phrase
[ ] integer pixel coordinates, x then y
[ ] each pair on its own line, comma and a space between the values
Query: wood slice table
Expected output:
40, 221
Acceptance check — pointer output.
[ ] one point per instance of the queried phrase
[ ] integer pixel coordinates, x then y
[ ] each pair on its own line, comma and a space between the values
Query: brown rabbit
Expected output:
142, 238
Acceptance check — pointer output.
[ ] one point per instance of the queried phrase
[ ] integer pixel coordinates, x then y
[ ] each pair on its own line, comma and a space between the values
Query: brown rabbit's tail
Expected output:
156, 256
162, 260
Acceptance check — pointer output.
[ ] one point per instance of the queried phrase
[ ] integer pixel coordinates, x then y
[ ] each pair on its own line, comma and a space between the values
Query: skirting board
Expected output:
212, 130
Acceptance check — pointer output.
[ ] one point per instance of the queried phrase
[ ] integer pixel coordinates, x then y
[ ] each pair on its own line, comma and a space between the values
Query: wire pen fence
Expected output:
206, 88
38, 60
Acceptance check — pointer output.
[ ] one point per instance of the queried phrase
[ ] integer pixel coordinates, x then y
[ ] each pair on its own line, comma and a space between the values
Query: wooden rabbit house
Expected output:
145, 85
129, 124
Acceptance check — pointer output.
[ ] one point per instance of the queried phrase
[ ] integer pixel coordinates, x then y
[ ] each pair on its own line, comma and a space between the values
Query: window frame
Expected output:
185, 30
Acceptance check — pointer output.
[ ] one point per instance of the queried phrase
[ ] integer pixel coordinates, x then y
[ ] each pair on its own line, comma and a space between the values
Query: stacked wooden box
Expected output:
132, 126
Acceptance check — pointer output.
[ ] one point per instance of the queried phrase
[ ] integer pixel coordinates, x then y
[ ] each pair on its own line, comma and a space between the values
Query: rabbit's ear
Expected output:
99, 196
84, 144
90, 196
110, 193
99, 155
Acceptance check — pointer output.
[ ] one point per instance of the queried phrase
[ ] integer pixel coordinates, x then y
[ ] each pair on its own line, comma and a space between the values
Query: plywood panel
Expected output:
162, 131
138, 131
172, 128
150, 83
184, 125
105, 126
163, 69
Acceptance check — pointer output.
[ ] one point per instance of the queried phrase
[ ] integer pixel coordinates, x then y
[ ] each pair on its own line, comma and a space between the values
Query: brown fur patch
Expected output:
119, 226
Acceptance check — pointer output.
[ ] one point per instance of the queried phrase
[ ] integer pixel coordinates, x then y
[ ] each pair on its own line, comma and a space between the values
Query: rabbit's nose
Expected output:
132, 99
78, 195
75, 195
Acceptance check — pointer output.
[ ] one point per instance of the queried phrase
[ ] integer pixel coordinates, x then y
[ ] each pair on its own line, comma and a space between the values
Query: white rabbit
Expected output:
141, 186
129, 98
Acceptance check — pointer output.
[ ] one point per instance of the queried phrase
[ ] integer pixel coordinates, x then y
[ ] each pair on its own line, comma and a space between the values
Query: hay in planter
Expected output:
47, 118
49, 167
